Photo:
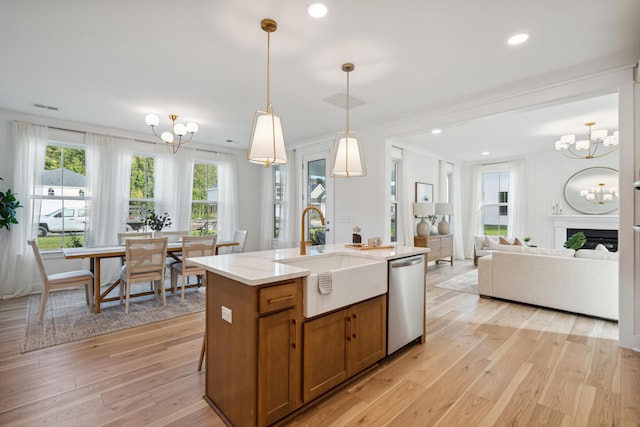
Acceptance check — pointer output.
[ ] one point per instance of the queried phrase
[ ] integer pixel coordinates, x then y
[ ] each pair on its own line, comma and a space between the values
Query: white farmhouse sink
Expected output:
354, 279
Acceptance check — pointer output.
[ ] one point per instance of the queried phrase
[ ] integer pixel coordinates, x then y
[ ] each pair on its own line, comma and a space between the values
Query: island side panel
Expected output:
232, 349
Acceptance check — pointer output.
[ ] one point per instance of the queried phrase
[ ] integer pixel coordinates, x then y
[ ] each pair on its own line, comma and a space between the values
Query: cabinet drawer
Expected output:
278, 297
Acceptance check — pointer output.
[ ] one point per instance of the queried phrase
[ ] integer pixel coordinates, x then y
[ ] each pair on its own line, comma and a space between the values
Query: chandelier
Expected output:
266, 146
591, 148
175, 138
600, 195
348, 159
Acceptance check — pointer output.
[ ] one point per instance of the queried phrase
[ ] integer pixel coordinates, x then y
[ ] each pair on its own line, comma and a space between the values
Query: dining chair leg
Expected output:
164, 295
174, 281
89, 291
182, 293
126, 304
43, 303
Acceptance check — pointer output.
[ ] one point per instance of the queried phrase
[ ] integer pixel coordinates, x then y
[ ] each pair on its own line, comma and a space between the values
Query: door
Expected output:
318, 192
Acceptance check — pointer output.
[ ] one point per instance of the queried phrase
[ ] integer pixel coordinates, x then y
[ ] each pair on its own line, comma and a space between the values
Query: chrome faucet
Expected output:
304, 243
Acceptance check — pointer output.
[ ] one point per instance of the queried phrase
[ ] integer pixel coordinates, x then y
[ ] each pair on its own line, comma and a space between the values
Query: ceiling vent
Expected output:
340, 100
46, 107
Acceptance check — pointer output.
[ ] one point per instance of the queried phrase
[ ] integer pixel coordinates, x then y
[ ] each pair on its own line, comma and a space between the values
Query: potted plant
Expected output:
157, 222
8, 206
576, 241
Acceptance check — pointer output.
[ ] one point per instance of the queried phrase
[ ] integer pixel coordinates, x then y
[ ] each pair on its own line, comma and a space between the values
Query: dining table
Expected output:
97, 253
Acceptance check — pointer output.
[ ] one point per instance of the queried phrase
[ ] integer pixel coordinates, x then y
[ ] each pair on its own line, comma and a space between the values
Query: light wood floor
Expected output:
485, 363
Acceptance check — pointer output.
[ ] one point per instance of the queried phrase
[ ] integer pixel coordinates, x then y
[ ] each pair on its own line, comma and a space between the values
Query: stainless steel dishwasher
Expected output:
406, 301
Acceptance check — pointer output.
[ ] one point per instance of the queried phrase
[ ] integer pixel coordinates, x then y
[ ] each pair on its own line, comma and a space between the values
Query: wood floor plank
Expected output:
567, 379
630, 385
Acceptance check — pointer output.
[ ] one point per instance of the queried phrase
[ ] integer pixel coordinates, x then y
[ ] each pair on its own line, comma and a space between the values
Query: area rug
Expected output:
467, 282
68, 317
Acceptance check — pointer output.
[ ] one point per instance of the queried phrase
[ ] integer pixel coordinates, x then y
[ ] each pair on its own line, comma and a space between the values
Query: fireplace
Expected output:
592, 222
608, 238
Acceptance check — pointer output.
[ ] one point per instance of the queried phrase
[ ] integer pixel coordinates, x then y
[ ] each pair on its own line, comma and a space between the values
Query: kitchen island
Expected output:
266, 356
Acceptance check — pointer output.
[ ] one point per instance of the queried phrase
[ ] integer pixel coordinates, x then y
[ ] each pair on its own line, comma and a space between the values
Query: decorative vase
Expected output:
434, 230
443, 227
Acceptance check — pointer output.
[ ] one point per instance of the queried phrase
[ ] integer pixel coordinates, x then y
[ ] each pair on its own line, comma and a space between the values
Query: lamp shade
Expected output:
267, 140
348, 159
423, 209
444, 208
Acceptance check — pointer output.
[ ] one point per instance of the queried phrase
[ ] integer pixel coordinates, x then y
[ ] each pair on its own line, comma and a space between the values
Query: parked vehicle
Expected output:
68, 219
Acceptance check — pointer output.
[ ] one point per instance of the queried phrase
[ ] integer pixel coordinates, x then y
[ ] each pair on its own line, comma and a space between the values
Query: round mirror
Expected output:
593, 191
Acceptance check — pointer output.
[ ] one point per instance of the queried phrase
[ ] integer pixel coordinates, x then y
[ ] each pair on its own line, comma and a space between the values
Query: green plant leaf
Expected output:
576, 241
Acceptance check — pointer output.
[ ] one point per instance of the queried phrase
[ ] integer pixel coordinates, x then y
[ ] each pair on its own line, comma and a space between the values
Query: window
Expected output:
394, 200
495, 213
62, 211
141, 191
204, 199
277, 200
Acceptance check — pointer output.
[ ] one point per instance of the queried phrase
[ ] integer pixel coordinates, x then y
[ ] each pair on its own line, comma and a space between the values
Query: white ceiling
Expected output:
111, 63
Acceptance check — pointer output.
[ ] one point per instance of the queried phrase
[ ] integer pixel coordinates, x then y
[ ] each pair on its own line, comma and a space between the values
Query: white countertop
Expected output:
259, 268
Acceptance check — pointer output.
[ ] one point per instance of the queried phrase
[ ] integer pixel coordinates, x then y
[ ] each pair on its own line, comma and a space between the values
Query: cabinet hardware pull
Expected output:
293, 338
355, 326
348, 328
272, 300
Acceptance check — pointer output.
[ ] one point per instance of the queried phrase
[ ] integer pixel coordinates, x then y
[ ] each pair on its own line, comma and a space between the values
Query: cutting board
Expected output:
368, 248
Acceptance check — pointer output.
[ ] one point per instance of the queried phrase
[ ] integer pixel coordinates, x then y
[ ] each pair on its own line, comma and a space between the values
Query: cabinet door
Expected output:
366, 343
278, 366
446, 248
434, 244
324, 359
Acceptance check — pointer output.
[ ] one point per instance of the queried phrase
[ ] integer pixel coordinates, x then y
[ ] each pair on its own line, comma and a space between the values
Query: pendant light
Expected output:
348, 159
266, 146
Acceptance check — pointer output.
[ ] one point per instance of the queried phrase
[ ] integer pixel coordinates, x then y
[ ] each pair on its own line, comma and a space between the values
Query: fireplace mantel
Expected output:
596, 222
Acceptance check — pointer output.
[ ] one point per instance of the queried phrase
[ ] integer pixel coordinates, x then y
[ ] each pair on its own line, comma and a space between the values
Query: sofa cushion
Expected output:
601, 247
597, 254
562, 252
504, 241
517, 242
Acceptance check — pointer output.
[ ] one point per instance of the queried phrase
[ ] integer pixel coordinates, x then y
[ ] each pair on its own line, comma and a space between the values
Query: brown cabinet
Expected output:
253, 370
441, 247
341, 344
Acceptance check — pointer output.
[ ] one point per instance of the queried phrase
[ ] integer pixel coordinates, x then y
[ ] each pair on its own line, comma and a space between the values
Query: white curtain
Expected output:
515, 204
266, 208
286, 238
186, 159
20, 269
227, 197
474, 218
405, 205
108, 165
173, 177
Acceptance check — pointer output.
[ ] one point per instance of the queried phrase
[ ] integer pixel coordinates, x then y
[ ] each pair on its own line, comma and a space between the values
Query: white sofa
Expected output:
584, 282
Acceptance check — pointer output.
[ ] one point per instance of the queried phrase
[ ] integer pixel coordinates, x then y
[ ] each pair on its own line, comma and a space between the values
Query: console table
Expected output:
441, 247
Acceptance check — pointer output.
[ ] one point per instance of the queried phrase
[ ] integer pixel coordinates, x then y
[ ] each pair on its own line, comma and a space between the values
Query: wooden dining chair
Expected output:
61, 280
240, 237
193, 246
122, 237
145, 261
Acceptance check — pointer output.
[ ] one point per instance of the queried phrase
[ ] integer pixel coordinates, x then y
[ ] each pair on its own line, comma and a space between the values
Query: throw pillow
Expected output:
489, 243
596, 254
504, 241
517, 242
601, 247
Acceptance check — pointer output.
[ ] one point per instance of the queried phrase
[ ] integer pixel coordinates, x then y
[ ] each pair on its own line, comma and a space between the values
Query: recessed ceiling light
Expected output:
317, 10
485, 153
436, 131
518, 38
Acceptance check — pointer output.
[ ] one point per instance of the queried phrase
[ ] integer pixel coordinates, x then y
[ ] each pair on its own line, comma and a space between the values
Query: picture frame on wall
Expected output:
424, 192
